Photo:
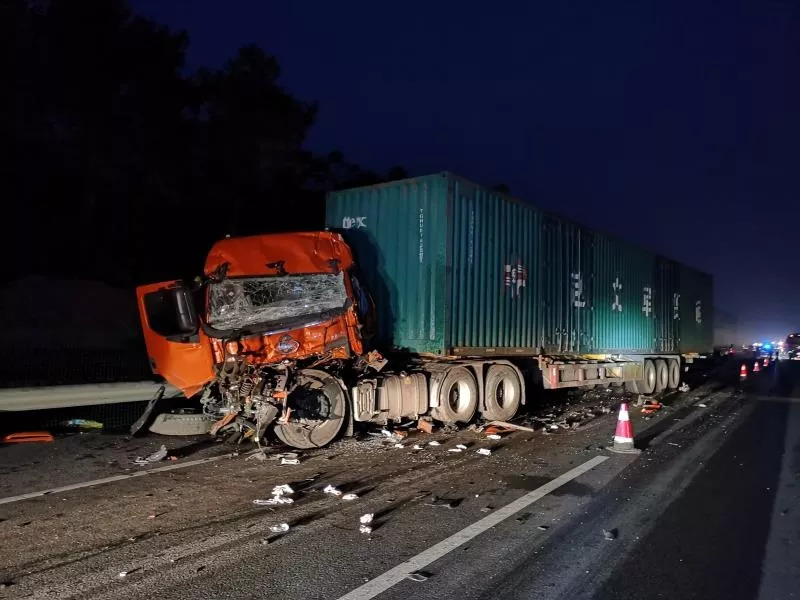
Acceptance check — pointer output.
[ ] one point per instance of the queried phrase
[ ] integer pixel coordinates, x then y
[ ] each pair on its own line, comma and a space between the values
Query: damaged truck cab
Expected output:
264, 337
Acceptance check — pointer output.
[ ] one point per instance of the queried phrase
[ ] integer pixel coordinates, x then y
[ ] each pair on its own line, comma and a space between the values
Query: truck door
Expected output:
177, 348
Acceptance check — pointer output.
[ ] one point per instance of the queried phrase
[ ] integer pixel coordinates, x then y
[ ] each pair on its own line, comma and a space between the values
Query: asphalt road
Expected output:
709, 509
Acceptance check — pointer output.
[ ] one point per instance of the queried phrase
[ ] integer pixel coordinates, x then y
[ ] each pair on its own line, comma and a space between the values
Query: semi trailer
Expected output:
426, 296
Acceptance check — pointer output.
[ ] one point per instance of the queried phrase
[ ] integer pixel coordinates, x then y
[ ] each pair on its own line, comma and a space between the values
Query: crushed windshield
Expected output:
238, 303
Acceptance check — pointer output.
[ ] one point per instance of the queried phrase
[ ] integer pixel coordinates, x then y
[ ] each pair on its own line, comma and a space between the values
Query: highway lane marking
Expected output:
394, 576
113, 478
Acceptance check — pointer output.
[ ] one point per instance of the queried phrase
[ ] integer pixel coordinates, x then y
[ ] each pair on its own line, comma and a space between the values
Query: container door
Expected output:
566, 287
666, 305
178, 350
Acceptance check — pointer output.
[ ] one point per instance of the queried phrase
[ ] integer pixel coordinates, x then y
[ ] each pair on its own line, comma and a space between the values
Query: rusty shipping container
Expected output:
458, 269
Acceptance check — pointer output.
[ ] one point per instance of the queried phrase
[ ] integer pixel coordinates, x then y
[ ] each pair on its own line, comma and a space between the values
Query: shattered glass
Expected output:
237, 303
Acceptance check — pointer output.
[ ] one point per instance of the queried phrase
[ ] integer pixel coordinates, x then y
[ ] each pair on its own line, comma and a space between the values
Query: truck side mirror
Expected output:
171, 312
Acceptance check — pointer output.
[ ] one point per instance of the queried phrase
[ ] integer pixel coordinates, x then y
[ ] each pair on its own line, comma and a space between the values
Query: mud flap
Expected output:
137, 427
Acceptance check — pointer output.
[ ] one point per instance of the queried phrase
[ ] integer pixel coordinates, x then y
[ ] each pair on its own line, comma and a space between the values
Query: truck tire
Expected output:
648, 384
662, 375
319, 411
458, 397
502, 393
674, 374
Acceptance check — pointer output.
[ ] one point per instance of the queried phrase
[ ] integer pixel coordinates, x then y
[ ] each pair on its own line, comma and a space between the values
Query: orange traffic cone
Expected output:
623, 437
756, 368
766, 362
743, 371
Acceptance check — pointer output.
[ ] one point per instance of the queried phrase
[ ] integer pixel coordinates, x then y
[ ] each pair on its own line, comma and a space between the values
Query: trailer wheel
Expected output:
503, 393
458, 397
674, 374
662, 375
319, 410
648, 384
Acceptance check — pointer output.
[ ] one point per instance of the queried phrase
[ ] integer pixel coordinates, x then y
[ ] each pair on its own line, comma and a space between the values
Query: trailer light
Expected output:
287, 345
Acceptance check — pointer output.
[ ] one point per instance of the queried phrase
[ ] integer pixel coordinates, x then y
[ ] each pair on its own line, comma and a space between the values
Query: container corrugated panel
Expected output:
666, 303
455, 268
398, 234
493, 291
696, 325
623, 308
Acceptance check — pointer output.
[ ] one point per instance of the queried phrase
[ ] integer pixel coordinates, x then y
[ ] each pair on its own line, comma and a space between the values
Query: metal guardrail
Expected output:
63, 396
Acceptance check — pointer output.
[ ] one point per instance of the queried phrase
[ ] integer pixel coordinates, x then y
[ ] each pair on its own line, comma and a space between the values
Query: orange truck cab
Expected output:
259, 337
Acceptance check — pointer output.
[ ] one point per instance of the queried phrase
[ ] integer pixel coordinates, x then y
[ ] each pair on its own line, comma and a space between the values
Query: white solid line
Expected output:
83, 484
393, 576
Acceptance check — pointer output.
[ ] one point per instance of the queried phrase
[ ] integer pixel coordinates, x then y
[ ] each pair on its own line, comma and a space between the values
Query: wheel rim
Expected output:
459, 396
505, 394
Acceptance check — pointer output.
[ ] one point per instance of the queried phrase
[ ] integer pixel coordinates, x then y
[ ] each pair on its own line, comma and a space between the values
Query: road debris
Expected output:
290, 461
494, 436
332, 491
683, 387
701, 405
434, 443
461, 446
350, 497
425, 426
651, 406
416, 447
417, 576
454, 450
484, 451
366, 520
285, 455
157, 456
282, 528
278, 496
443, 502
26, 437
82, 424
610, 534
543, 527
398, 445
506, 425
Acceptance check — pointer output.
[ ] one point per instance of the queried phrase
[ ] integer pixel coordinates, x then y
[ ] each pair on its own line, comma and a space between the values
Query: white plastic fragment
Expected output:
157, 456
387, 433
417, 447
282, 528
701, 405
284, 488
290, 461
350, 497
332, 490
365, 529
275, 500
366, 519
484, 451
454, 450
553, 426
399, 446
434, 443
493, 436
461, 446
417, 576
683, 387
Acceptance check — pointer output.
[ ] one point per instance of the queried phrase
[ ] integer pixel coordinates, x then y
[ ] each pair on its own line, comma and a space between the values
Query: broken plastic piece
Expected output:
461, 446
332, 490
282, 528
157, 456
434, 443
27, 437
290, 461
507, 425
484, 451
493, 436
350, 497
425, 426
275, 500
366, 518
683, 387
365, 529
284, 488
398, 445
417, 447
287, 455
454, 449
417, 576
82, 423
701, 405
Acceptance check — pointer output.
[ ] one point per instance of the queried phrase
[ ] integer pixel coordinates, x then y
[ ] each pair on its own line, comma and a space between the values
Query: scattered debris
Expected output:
461, 446
365, 520
157, 456
285, 455
425, 426
506, 425
290, 461
553, 426
487, 509
418, 576
456, 450
476, 428
278, 493
282, 528
123, 574
82, 424
483, 451
494, 436
398, 445
674, 444
701, 405
434, 443
24, 437
651, 407
350, 497
610, 534
416, 447
443, 502
543, 527
683, 387
332, 490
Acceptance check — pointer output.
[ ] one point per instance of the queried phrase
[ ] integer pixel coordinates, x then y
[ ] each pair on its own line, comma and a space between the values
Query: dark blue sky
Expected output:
674, 126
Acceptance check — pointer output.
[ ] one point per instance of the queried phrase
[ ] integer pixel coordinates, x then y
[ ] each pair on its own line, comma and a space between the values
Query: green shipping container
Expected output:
457, 269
